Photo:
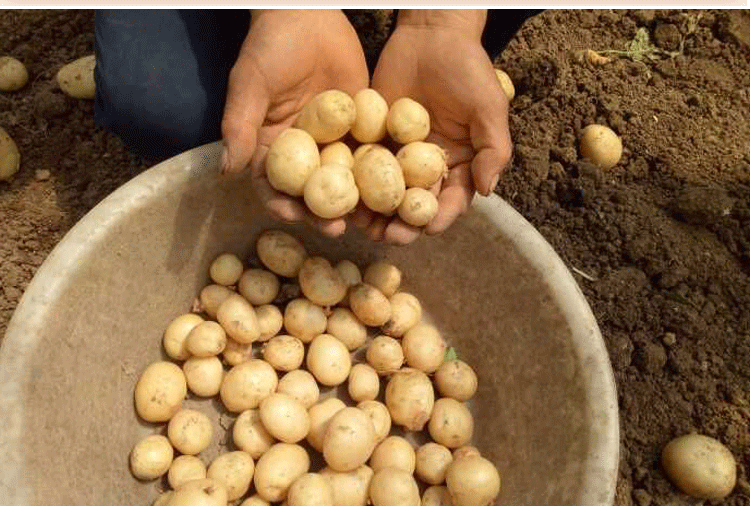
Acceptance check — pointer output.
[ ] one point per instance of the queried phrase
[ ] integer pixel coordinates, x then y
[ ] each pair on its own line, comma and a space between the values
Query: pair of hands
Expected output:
433, 57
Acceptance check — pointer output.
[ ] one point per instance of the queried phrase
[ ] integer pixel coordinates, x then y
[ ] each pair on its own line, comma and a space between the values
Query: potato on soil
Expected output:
451, 423
419, 207
363, 383
304, 319
432, 463
380, 180
160, 391
247, 384
226, 269
151, 457
349, 440
372, 111
175, 336
456, 379
330, 191
700, 466
320, 415
472, 481
281, 253
380, 417
270, 320
238, 319
291, 159
201, 492
284, 418
190, 431
310, 490
422, 163
407, 121
406, 312
337, 153
395, 452
301, 385
185, 468
370, 306
278, 468
320, 282
385, 355
203, 375
345, 326
328, 360
424, 348
212, 296
13, 74
410, 398
10, 158
206, 339
601, 146
258, 286
349, 488
235, 471
284, 353
76, 79
394, 487
250, 435
328, 116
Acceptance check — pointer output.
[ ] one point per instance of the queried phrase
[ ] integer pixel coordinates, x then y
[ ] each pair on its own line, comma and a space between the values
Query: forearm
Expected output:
472, 21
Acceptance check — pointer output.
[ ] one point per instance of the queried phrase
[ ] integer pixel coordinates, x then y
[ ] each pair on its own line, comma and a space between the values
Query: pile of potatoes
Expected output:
348, 370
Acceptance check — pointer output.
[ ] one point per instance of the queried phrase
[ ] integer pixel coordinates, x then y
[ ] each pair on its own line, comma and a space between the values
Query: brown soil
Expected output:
661, 242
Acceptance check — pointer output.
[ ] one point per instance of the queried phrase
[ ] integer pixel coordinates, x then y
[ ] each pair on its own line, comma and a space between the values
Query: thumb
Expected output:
490, 137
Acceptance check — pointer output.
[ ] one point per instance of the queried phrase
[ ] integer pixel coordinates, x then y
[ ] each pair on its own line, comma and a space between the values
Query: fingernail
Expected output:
493, 184
224, 161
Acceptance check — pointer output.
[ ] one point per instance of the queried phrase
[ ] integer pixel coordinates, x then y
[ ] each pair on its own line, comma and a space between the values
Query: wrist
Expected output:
469, 21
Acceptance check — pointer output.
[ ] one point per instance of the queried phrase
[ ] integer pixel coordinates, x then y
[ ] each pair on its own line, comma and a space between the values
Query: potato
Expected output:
410, 398
419, 207
255, 500
349, 440
258, 286
432, 463
349, 488
384, 276
201, 492
310, 490
328, 116
349, 273
385, 355
206, 339
175, 336
451, 423
337, 153
330, 191
364, 383
151, 457
380, 417
185, 468
203, 375
320, 282
394, 487
250, 435
328, 360
301, 385
465, 451
406, 312
212, 296
163, 498
278, 468
235, 354
238, 319
380, 180
160, 391
284, 352
226, 269
436, 496
320, 415
247, 384
407, 121
395, 452
284, 418
422, 163
76, 79
506, 84
472, 481
270, 320
372, 111
13, 74
291, 159
456, 379
304, 319
370, 306
190, 431
10, 158
235, 471
345, 326
700, 466
601, 146
281, 253
424, 348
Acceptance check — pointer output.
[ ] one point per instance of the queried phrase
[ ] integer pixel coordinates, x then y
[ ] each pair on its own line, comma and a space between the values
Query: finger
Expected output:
490, 137
453, 200
401, 233
362, 217
376, 230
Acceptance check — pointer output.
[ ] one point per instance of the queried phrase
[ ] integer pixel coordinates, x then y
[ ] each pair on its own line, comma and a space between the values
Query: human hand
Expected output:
436, 58
288, 57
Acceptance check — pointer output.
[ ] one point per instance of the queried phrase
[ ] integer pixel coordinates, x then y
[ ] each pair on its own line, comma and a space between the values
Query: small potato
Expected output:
337, 153
206, 339
436, 496
160, 391
407, 121
247, 384
451, 423
406, 312
394, 487
238, 319
506, 84
212, 296
200, 492
278, 468
151, 457
349, 273
432, 463
380, 417
349, 440
185, 468
255, 500
301, 385
372, 111
364, 383
175, 336
226, 269
203, 375
310, 490
345, 326
13, 74
385, 355
364, 148
601, 146
384, 276
76, 79
330, 191
465, 452
396, 452
250, 435
472, 481
270, 320
235, 354
291, 159
320, 282
349, 488
258, 286
424, 348
284, 352
370, 306
304, 319
10, 157
328, 116
320, 415
163, 499
380, 180
190, 431
456, 379
422, 163
235, 471
700, 466
419, 207
284, 418
281, 253
328, 360
410, 398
